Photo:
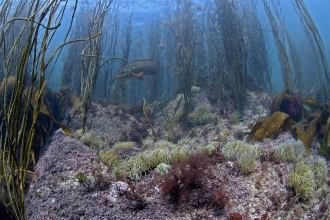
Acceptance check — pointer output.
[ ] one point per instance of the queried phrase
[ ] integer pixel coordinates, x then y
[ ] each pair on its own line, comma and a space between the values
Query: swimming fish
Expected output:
137, 69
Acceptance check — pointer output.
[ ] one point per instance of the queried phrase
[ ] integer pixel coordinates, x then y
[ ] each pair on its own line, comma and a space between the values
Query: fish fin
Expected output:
138, 74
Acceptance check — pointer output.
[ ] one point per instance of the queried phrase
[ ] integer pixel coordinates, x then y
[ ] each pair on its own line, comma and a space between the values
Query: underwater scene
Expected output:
165, 109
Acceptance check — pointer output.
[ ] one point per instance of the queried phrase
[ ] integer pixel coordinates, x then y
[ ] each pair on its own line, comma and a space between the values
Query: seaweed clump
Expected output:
91, 140
187, 184
324, 149
202, 116
270, 127
162, 152
290, 150
245, 154
308, 175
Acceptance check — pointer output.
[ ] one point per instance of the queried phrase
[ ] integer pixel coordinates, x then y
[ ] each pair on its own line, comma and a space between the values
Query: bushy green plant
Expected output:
91, 140
81, 177
166, 153
122, 146
208, 149
163, 144
246, 162
157, 156
162, 168
290, 151
202, 116
245, 154
320, 171
132, 168
179, 154
307, 175
302, 180
324, 149
235, 118
185, 141
109, 158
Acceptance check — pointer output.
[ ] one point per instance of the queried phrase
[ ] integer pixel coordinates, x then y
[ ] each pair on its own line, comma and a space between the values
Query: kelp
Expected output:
315, 39
313, 103
26, 56
278, 122
304, 130
52, 104
280, 46
270, 127
305, 133
288, 102
278, 100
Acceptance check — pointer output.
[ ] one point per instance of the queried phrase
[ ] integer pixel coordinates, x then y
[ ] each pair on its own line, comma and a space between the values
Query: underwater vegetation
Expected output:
304, 130
245, 154
290, 151
186, 183
160, 152
324, 149
109, 158
89, 139
173, 114
235, 118
162, 168
29, 109
308, 175
192, 49
202, 116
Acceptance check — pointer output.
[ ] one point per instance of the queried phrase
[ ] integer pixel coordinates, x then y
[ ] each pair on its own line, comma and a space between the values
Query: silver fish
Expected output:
137, 69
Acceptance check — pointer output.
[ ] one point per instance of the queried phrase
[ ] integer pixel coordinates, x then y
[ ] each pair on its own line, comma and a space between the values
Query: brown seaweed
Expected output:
305, 133
270, 127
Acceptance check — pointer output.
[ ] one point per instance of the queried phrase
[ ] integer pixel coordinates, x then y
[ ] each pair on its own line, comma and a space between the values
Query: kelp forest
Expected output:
58, 57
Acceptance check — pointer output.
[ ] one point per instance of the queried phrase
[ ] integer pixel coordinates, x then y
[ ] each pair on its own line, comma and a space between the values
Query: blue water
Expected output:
143, 10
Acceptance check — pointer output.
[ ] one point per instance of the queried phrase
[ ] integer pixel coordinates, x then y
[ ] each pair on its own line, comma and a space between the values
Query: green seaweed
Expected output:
302, 180
208, 149
109, 158
245, 154
235, 118
91, 140
202, 116
119, 146
166, 153
162, 168
246, 162
320, 171
324, 149
290, 151
82, 178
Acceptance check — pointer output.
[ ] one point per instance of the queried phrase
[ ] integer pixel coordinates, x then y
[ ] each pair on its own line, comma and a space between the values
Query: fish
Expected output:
138, 69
